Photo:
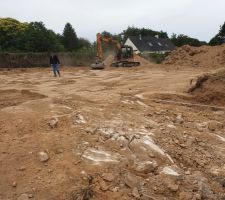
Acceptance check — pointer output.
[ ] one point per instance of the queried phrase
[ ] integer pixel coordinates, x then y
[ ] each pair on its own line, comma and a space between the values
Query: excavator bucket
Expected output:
97, 66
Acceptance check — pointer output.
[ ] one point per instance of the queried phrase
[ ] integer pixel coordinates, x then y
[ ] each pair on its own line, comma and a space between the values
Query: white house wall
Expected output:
130, 43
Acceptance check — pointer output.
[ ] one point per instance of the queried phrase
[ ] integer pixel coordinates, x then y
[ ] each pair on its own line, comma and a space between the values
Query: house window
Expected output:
150, 44
159, 44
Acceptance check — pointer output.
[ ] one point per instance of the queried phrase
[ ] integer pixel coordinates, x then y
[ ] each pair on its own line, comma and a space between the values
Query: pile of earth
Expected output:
210, 88
204, 56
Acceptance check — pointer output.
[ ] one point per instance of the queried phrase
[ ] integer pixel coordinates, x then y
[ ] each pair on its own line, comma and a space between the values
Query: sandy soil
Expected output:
103, 135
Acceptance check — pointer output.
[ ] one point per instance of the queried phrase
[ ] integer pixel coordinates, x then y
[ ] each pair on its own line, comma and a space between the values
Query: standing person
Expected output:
54, 62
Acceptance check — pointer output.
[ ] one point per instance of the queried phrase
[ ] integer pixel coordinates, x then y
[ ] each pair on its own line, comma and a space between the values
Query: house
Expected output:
148, 44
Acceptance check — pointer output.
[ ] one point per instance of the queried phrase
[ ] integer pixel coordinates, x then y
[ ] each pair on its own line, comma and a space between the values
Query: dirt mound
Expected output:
210, 88
143, 61
109, 60
15, 97
205, 56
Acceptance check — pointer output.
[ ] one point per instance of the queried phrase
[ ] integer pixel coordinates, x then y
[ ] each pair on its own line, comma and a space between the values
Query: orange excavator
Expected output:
124, 56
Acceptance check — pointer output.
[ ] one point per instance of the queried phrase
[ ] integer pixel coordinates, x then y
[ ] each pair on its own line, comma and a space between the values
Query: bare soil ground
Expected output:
103, 135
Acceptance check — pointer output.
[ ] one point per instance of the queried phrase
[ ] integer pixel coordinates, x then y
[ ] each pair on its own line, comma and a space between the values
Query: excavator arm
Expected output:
105, 39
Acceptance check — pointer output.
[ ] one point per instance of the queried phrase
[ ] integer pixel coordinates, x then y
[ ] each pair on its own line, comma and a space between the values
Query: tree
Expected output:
27, 37
37, 38
180, 40
133, 31
69, 38
219, 38
10, 29
83, 43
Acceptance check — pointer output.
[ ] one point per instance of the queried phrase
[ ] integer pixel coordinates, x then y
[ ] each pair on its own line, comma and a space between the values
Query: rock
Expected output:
43, 157
204, 190
103, 186
185, 196
189, 125
201, 126
53, 123
22, 168
197, 197
214, 125
173, 187
135, 193
152, 124
14, 184
122, 141
145, 167
133, 180
171, 126
188, 173
23, 197
179, 119
108, 177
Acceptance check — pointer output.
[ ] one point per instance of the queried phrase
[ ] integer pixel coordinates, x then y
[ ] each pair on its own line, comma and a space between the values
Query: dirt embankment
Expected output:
205, 56
210, 88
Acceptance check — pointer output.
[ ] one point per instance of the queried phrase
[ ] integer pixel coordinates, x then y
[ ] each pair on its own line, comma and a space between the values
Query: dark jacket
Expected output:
54, 60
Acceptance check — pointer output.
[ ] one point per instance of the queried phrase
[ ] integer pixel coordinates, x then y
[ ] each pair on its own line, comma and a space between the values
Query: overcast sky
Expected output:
196, 18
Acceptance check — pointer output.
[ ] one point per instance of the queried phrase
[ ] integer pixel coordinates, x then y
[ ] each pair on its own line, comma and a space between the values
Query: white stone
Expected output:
43, 156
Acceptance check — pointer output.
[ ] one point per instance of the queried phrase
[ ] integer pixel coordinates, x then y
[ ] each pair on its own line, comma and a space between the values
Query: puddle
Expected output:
99, 156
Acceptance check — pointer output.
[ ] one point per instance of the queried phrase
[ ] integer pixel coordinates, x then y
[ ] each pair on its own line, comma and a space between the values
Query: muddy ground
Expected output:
104, 135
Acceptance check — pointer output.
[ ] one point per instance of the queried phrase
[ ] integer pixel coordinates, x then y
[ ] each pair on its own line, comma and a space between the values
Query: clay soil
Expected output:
107, 137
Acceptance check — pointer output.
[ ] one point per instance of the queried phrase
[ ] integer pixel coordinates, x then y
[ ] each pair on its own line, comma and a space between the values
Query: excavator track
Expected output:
125, 64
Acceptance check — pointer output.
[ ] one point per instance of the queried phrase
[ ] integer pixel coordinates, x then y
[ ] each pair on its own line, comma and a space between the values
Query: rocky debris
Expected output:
190, 125
202, 126
145, 167
135, 193
103, 185
185, 196
169, 171
132, 180
98, 156
122, 141
23, 197
53, 123
14, 184
152, 124
179, 119
108, 177
171, 126
80, 119
173, 187
22, 168
214, 125
43, 156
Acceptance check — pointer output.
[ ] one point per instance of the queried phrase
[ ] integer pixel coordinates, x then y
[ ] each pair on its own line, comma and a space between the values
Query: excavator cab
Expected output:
125, 57
125, 52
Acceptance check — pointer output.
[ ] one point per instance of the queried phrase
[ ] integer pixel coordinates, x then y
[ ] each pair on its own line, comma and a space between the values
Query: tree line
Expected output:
16, 36
35, 37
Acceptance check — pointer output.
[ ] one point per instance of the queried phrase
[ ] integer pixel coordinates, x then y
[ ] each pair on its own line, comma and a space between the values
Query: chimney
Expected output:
140, 37
157, 36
